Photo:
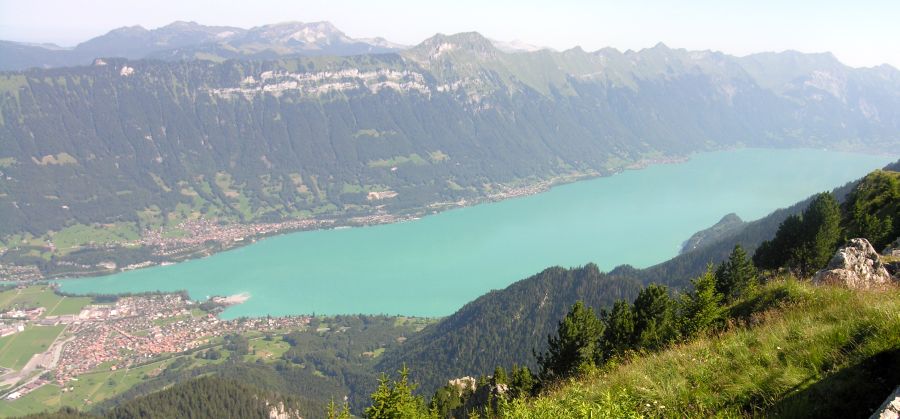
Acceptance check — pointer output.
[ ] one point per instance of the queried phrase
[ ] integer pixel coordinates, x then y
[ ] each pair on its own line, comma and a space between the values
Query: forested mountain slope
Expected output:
503, 327
204, 397
452, 118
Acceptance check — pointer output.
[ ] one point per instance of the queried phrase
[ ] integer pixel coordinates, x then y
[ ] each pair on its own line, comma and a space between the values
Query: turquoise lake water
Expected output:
432, 266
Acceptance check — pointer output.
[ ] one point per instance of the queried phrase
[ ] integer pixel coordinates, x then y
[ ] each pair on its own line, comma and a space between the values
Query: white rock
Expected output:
854, 266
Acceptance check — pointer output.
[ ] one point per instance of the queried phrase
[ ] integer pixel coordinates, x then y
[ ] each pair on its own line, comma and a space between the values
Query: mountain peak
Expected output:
313, 34
439, 44
181, 24
321, 26
128, 30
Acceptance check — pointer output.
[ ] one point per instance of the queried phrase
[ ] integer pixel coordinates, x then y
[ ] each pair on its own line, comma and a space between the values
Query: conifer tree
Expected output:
575, 345
737, 276
776, 253
821, 234
395, 400
701, 309
522, 382
499, 376
619, 335
334, 412
654, 317
804, 243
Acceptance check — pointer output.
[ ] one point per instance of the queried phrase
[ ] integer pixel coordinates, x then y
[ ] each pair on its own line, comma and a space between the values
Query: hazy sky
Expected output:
859, 33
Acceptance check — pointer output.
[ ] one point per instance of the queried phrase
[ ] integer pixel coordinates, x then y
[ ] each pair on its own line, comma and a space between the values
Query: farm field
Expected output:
17, 349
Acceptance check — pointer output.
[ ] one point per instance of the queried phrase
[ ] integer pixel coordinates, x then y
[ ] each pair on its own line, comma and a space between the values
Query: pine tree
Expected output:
873, 209
521, 383
395, 400
575, 345
499, 376
804, 243
334, 413
702, 308
654, 317
447, 399
619, 335
737, 276
821, 234
776, 253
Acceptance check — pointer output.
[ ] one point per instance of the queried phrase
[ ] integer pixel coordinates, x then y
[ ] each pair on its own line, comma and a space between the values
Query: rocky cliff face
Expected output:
855, 266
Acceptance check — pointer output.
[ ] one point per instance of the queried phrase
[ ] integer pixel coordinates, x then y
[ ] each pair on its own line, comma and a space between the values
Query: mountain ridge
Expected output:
185, 40
191, 37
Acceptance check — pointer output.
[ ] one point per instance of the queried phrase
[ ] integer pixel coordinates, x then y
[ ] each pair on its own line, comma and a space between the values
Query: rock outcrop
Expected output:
855, 266
891, 407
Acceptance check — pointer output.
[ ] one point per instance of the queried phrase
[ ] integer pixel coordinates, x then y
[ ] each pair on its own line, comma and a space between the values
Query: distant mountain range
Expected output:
191, 40
455, 117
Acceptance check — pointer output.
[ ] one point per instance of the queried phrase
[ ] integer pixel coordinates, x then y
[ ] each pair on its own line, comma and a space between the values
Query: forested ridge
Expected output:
503, 327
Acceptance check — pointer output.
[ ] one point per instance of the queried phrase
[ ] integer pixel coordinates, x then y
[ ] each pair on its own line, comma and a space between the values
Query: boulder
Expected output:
893, 249
855, 266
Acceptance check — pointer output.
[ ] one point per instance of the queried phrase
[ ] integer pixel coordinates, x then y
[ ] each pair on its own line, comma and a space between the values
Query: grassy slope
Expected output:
829, 352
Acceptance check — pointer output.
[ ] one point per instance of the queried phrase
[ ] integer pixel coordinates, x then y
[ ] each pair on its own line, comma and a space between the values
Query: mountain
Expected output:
272, 41
136, 42
144, 143
728, 225
190, 40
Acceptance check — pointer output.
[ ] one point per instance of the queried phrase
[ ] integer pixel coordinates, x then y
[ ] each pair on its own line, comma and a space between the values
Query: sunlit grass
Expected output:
765, 365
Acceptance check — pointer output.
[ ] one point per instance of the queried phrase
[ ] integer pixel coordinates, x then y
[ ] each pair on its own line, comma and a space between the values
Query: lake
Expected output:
432, 266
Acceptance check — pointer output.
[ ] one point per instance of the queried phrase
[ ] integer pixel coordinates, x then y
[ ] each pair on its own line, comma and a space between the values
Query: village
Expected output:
202, 230
129, 331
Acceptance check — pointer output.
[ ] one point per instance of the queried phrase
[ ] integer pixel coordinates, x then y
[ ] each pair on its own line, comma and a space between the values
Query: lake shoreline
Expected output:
430, 267
159, 254
507, 192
